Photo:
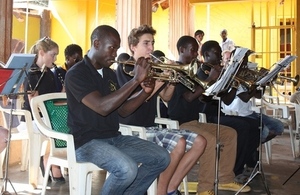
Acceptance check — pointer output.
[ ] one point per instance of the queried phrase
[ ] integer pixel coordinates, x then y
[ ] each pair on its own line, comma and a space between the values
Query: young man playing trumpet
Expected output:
185, 147
183, 107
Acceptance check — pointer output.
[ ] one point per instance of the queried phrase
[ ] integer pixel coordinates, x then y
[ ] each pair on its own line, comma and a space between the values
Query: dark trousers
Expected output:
247, 140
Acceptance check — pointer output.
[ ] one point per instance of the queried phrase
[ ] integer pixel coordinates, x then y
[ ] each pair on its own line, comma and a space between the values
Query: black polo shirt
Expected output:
84, 123
146, 113
183, 111
43, 83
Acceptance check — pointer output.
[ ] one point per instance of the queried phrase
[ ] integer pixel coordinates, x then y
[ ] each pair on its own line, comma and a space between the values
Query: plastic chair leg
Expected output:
152, 190
25, 155
292, 141
34, 158
268, 146
2, 157
185, 185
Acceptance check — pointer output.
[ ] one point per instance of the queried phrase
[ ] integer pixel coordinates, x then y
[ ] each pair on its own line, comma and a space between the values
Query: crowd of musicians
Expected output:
99, 98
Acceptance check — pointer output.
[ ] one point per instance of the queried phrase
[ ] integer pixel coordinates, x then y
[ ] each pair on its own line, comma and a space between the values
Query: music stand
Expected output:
12, 77
225, 79
222, 84
282, 64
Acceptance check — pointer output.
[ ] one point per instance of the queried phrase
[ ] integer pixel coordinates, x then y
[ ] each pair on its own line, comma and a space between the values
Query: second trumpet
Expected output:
174, 73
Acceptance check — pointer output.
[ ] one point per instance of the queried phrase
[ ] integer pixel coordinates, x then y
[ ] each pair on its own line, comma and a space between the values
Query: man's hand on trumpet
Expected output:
141, 69
214, 73
148, 85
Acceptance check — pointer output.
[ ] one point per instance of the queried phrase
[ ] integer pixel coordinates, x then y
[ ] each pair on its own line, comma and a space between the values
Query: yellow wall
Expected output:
235, 17
160, 22
73, 22
19, 29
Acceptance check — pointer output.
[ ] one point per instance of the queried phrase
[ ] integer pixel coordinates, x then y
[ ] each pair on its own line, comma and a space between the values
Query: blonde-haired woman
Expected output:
40, 80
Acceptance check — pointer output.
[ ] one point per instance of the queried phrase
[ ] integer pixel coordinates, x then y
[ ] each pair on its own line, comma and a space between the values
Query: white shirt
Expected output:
100, 71
238, 107
228, 45
295, 97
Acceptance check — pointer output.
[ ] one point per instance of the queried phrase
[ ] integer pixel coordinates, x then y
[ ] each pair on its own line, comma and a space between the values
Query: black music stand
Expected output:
12, 77
225, 79
282, 64
222, 84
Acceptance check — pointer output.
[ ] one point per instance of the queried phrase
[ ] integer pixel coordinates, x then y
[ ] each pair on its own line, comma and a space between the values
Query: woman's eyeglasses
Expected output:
46, 39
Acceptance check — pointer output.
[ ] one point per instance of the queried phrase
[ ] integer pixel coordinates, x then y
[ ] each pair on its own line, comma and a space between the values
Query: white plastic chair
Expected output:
267, 144
15, 134
272, 99
281, 112
54, 126
171, 124
141, 132
32, 143
297, 136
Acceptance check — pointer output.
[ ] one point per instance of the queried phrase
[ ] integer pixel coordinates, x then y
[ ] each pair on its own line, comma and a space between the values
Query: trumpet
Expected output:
174, 73
281, 78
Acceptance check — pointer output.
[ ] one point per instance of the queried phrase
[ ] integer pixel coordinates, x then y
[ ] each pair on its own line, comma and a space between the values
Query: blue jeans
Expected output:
270, 125
133, 163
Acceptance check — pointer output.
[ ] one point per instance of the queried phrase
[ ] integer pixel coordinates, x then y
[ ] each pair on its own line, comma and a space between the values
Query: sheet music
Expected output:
18, 60
279, 66
230, 71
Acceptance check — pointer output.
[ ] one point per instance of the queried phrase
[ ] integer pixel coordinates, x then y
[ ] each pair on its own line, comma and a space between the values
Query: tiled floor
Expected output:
282, 166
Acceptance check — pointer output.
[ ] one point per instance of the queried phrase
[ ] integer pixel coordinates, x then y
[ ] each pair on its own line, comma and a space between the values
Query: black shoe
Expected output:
268, 138
56, 179
59, 179
43, 169
177, 192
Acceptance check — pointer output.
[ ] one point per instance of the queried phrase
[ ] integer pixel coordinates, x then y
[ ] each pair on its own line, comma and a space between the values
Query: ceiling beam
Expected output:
213, 1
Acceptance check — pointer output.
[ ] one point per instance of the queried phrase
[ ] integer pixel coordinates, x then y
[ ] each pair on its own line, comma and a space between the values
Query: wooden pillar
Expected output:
146, 12
180, 24
6, 9
45, 24
131, 14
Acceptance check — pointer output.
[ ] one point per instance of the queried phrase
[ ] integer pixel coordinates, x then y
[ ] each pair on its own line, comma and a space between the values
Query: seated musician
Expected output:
183, 107
295, 97
240, 105
177, 142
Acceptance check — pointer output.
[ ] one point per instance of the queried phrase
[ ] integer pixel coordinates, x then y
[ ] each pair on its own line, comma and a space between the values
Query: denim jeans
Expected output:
133, 163
270, 124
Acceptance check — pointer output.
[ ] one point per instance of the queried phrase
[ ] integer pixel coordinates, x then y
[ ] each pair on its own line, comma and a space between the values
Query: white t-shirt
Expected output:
295, 97
228, 45
238, 107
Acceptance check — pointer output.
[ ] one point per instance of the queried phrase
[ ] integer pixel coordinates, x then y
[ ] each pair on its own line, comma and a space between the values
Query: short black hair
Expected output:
104, 32
208, 45
123, 57
72, 49
223, 31
184, 41
158, 53
198, 32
